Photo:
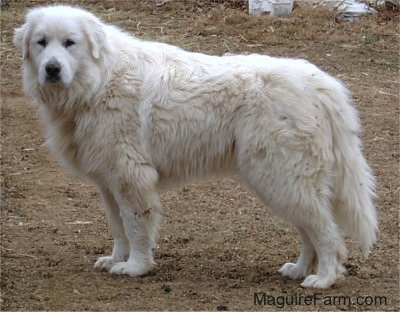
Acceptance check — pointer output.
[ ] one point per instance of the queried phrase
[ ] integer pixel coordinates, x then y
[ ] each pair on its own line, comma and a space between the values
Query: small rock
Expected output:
222, 307
167, 288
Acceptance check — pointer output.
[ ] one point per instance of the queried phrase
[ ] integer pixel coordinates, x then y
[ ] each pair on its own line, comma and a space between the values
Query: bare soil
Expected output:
218, 244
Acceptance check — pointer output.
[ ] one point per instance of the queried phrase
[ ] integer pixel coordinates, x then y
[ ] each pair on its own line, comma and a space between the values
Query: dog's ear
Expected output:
21, 40
95, 34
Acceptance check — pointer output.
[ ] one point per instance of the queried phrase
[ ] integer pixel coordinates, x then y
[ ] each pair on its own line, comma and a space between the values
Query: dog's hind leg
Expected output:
140, 208
306, 259
305, 202
314, 216
321, 234
121, 244
331, 251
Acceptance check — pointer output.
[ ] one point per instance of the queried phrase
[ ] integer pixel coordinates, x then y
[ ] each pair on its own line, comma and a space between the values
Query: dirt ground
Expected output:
218, 245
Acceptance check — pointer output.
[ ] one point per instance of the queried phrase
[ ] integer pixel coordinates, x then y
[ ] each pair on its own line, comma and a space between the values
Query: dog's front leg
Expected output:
140, 209
121, 244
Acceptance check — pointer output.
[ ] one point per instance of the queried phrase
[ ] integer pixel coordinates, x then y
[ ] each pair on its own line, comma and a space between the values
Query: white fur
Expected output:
137, 116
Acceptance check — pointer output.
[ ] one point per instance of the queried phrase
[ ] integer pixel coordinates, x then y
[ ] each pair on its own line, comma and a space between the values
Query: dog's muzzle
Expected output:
53, 70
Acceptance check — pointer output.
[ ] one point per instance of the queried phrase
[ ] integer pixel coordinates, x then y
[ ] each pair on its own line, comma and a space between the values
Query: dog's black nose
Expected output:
53, 69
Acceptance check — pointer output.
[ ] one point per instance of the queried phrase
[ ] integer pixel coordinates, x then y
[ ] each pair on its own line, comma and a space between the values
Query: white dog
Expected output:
135, 116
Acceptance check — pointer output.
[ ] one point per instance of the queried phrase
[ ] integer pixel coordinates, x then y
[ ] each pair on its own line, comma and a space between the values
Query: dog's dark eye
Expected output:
69, 43
42, 42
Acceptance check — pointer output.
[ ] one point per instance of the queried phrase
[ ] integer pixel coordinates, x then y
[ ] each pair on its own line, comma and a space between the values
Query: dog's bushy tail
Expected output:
354, 210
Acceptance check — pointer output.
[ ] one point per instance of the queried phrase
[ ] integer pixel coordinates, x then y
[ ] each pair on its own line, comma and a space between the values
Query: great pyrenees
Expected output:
135, 116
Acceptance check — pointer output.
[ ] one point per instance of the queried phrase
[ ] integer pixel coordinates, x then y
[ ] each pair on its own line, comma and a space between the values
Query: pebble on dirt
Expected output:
167, 288
222, 307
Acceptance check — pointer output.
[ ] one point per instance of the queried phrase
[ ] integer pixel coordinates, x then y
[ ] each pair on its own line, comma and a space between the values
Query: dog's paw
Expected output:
316, 281
292, 270
131, 268
105, 263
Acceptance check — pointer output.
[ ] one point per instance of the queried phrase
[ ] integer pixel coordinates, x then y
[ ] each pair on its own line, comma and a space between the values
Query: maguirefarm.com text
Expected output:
315, 299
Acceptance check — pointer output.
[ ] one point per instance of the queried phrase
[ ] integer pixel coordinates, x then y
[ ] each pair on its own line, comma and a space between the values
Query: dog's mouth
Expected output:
53, 80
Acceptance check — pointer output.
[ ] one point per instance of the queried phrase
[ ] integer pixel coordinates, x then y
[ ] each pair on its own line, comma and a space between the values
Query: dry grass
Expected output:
220, 27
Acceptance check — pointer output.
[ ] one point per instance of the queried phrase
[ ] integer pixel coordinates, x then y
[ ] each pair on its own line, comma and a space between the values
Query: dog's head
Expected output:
58, 41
